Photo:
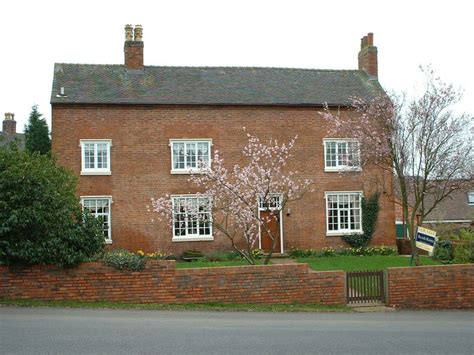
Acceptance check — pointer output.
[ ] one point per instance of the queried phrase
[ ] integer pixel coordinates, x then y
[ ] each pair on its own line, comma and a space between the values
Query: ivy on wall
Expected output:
370, 210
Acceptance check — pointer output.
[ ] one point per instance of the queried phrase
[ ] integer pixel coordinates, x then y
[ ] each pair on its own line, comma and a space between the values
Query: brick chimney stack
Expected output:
133, 48
368, 55
9, 124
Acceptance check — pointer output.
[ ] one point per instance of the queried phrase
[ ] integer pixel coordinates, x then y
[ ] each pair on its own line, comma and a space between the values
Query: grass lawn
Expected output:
356, 263
205, 263
233, 307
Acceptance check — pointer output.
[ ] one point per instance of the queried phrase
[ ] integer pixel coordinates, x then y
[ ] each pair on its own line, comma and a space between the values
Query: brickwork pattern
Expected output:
141, 164
426, 287
133, 52
160, 282
432, 287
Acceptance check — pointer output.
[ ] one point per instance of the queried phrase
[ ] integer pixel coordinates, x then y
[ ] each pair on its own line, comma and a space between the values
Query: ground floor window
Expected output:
191, 218
99, 207
343, 213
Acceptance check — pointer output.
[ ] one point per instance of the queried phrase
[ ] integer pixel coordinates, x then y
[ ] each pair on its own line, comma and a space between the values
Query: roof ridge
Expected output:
215, 67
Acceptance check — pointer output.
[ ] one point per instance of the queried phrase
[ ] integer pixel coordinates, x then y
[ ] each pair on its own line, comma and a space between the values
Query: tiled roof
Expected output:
113, 84
455, 207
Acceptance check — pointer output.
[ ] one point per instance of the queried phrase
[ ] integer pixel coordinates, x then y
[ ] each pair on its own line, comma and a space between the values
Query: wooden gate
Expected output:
365, 286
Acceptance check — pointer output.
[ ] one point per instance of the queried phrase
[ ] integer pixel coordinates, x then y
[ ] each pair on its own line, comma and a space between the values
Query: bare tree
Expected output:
424, 142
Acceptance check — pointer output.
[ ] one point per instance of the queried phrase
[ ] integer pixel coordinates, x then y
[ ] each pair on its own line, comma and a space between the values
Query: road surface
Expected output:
86, 331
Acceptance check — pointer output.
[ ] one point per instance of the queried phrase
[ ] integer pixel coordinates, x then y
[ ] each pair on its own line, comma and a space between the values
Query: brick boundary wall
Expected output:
161, 282
431, 287
425, 287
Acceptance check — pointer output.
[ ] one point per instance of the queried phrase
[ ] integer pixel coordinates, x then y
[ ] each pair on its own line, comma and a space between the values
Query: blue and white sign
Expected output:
425, 239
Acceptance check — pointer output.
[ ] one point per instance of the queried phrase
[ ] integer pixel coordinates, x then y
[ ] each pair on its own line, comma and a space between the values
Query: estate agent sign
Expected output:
425, 239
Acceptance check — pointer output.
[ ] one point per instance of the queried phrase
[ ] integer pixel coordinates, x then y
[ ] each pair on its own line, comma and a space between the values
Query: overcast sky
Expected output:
293, 33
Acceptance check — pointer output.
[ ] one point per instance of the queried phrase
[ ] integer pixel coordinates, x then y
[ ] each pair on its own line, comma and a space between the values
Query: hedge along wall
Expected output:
431, 287
160, 282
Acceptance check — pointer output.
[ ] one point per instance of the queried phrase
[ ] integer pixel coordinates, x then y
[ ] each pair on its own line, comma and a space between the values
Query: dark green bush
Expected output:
356, 240
456, 248
122, 259
41, 221
463, 253
370, 210
444, 251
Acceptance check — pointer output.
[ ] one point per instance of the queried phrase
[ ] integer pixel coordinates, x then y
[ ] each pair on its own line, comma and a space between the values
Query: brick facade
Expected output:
431, 287
140, 108
141, 164
160, 282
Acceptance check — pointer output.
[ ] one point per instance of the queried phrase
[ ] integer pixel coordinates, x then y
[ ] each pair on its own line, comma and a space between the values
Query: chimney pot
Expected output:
370, 39
138, 33
128, 33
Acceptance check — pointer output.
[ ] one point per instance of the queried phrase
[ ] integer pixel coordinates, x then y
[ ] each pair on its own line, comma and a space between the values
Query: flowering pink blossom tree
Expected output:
237, 197
424, 143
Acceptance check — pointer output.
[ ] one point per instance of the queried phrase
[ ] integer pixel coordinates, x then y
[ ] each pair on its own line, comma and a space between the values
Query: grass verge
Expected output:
222, 307
357, 263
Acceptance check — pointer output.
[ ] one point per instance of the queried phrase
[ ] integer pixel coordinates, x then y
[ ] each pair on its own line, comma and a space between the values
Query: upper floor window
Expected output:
189, 155
341, 154
191, 218
99, 207
95, 157
343, 213
470, 197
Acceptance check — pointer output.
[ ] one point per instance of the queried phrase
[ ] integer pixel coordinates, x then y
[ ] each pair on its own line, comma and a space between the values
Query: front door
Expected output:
265, 240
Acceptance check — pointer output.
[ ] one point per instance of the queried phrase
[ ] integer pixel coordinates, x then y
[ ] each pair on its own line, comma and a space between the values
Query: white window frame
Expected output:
274, 199
339, 166
470, 198
108, 240
185, 141
190, 237
95, 170
340, 232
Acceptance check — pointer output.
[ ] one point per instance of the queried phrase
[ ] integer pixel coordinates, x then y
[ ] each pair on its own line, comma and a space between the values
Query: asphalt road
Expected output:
83, 331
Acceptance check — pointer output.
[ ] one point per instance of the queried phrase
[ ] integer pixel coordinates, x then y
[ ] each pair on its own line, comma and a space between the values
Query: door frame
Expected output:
281, 224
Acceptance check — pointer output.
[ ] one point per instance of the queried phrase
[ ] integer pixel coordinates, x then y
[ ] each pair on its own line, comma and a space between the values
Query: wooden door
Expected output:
265, 240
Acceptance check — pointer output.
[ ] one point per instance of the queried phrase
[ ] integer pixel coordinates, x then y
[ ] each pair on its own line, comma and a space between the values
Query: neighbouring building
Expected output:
454, 212
133, 131
8, 134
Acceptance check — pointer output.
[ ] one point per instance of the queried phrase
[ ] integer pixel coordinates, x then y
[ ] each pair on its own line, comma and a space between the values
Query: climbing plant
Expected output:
370, 210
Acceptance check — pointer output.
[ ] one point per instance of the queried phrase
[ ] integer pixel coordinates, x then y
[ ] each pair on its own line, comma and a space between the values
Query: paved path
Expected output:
82, 331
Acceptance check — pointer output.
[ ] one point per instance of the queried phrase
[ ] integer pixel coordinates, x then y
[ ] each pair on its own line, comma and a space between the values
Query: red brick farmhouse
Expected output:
131, 132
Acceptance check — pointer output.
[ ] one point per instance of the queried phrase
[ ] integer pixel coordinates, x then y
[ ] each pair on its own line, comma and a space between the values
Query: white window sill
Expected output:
186, 172
341, 169
192, 239
341, 233
96, 173
108, 241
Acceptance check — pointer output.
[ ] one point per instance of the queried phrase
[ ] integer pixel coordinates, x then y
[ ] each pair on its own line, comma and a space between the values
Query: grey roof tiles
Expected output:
113, 84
